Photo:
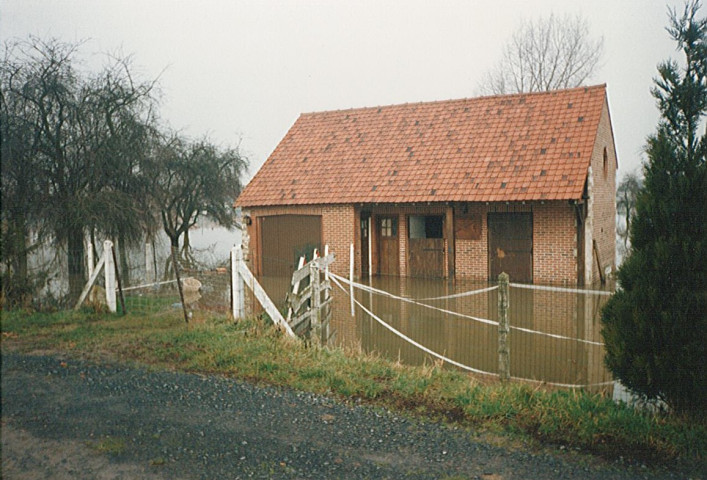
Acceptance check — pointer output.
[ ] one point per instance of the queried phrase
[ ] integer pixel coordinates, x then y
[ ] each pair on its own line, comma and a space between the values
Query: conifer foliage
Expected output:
655, 326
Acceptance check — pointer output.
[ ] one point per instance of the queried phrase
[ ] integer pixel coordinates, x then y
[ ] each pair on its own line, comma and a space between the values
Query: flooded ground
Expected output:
555, 336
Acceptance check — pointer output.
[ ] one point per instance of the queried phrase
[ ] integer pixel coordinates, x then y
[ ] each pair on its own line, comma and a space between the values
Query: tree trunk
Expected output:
75, 257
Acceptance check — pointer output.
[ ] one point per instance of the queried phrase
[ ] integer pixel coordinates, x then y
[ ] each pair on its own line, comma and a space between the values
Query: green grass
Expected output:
254, 351
109, 445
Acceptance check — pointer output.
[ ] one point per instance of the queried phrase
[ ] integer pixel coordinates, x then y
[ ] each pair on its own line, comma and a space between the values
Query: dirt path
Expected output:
70, 419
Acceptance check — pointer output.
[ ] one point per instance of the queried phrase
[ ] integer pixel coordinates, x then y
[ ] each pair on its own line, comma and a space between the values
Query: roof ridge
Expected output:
454, 100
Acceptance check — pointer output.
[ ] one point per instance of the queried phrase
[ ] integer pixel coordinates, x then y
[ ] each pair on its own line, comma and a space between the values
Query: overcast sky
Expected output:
243, 71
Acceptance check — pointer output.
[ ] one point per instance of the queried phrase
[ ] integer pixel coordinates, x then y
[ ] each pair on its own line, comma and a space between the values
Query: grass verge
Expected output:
254, 351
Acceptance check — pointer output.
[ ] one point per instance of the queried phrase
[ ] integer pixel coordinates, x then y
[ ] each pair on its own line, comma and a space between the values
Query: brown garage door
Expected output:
511, 246
284, 238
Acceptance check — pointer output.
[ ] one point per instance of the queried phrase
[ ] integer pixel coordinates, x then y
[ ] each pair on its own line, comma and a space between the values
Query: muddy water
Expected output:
445, 327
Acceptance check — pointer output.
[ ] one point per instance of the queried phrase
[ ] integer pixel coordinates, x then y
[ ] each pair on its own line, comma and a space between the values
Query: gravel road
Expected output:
69, 419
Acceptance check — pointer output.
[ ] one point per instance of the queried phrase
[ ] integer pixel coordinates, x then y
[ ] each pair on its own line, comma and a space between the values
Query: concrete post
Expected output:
109, 271
237, 284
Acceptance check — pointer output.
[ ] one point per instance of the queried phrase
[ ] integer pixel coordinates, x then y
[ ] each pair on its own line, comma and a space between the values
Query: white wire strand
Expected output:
336, 278
450, 312
459, 295
410, 340
559, 289
409, 300
147, 285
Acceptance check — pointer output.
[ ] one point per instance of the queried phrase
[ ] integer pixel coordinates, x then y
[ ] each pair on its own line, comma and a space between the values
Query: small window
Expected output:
389, 227
606, 163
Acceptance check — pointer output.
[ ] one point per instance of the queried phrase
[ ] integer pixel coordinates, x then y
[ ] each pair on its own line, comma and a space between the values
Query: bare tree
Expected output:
194, 179
626, 197
67, 138
545, 54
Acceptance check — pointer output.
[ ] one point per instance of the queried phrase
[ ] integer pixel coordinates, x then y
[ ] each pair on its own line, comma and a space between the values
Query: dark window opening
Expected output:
426, 226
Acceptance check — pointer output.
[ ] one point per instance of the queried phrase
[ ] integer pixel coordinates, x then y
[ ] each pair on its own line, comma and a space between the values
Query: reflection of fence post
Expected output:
109, 272
237, 286
504, 354
316, 322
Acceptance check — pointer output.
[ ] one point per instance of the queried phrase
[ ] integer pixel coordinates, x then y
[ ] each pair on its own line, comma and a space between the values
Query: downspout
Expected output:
589, 229
580, 208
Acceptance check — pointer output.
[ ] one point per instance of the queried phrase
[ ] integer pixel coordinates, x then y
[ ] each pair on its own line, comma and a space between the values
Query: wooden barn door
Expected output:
511, 246
426, 246
284, 238
388, 246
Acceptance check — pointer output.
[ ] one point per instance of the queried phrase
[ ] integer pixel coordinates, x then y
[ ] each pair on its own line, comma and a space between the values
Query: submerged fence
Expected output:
513, 331
500, 330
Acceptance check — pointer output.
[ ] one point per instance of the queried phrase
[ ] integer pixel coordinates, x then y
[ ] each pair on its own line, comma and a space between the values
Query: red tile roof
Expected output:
502, 148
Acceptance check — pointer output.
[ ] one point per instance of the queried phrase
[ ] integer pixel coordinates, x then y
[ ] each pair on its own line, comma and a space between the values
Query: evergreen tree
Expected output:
655, 326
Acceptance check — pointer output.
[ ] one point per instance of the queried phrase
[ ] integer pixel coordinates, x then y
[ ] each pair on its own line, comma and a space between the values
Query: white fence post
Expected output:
237, 290
109, 270
89, 256
150, 275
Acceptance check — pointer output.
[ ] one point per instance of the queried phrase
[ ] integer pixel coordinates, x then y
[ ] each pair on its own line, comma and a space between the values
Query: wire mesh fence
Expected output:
146, 280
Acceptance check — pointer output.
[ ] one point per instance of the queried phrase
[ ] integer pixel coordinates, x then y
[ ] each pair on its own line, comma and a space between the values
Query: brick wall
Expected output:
472, 259
340, 228
554, 244
604, 164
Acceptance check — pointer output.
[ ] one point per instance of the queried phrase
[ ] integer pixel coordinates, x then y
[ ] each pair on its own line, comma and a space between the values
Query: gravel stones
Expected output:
138, 423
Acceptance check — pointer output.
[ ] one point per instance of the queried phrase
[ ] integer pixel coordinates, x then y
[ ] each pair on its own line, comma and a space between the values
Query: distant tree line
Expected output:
84, 153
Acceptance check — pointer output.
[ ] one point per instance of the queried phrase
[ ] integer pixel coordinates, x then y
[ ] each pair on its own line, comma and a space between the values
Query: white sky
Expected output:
244, 70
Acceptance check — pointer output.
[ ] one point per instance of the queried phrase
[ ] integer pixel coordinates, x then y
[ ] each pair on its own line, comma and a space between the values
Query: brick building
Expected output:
467, 188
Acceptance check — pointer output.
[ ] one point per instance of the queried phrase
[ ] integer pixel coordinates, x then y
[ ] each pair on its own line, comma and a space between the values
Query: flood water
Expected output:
445, 327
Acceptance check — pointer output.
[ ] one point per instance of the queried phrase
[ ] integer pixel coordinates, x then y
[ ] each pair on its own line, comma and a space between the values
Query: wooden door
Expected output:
388, 255
426, 257
511, 246
426, 246
365, 238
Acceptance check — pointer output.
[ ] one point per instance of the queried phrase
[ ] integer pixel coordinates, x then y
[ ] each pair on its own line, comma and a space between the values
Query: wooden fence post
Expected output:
237, 285
351, 279
109, 271
117, 277
504, 354
316, 321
